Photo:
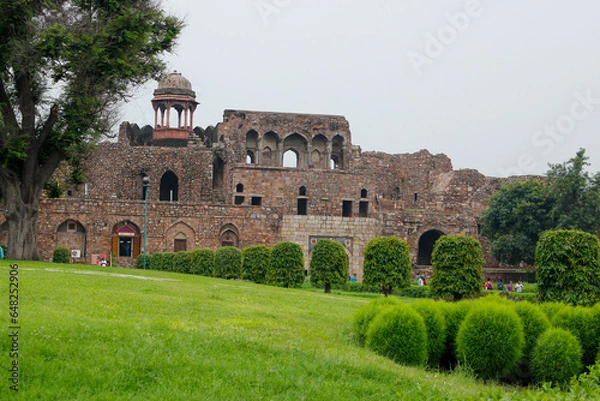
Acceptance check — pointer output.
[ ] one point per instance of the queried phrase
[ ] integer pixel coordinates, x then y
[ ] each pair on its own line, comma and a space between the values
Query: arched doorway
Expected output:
169, 187
126, 240
426, 243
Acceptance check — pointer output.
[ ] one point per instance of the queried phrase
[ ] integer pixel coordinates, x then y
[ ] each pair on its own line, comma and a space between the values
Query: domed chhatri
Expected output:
173, 92
175, 84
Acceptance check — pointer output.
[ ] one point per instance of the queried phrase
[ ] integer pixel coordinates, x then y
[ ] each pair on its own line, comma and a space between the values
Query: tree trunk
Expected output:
327, 288
22, 220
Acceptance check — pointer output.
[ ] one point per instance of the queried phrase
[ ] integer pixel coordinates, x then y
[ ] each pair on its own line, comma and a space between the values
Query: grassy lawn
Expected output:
98, 333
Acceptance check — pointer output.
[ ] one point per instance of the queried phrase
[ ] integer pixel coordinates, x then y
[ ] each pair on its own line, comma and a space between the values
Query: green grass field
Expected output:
97, 333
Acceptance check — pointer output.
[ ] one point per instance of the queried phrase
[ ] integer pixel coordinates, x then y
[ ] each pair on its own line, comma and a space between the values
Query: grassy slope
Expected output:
112, 337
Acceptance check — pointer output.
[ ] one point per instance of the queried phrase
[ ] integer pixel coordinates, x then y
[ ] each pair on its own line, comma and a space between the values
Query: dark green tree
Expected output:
228, 262
568, 198
517, 214
387, 264
457, 262
568, 267
328, 264
287, 264
64, 67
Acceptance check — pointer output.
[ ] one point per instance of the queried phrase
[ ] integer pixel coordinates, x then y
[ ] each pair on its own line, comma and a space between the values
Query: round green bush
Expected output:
182, 262
328, 264
228, 262
534, 322
454, 314
387, 264
556, 357
552, 308
568, 267
399, 333
435, 323
365, 315
490, 340
457, 262
287, 264
61, 255
256, 261
203, 262
580, 321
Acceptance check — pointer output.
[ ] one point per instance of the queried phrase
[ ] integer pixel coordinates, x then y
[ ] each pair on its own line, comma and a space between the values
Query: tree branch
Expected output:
10, 119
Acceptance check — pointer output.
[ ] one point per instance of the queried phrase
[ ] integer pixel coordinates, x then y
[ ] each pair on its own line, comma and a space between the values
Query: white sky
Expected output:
506, 88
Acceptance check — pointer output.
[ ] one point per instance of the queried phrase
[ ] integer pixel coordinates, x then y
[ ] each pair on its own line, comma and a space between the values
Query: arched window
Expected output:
169, 187
290, 159
302, 191
229, 235
239, 187
363, 193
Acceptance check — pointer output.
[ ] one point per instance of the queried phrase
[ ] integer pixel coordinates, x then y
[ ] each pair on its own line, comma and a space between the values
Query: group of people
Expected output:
488, 286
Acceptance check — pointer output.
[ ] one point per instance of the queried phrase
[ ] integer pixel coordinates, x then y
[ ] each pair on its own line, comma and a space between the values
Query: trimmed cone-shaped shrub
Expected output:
399, 333
287, 264
328, 263
454, 314
256, 261
365, 315
182, 262
387, 264
61, 255
580, 321
490, 340
435, 323
457, 262
203, 262
568, 267
556, 357
228, 262
534, 322
552, 308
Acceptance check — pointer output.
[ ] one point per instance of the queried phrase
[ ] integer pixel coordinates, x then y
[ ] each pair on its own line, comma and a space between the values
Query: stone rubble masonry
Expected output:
405, 195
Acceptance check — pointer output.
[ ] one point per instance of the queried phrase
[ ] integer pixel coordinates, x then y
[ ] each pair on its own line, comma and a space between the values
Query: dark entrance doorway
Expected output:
426, 243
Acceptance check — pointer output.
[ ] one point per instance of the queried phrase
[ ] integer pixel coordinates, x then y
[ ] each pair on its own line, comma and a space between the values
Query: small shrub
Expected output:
399, 333
287, 264
457, 262
580, 321
139, 261
328, 264
556, 357
490, 340
365, 315
552, 308
415, 291
168, 261
203, 262
228, 262
534, 322
61, 255
454, 314
154, 261
182, 262
256, 261
387, 264
435, 323
568, 267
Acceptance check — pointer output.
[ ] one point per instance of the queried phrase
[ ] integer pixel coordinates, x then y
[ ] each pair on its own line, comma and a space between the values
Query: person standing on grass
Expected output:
509, 287
519, 286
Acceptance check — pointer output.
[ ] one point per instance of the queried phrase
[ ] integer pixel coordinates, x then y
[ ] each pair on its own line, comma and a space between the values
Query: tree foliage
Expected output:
329, 263
387, 264
256, 261
64, 67
228, 262
287, 264
457, 262
568, 198
568, 267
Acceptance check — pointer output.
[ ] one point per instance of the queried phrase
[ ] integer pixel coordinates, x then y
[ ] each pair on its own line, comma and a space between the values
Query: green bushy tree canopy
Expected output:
287, 264
567, 198
328, 264
457, 262
64, 67
256, 261
387, 264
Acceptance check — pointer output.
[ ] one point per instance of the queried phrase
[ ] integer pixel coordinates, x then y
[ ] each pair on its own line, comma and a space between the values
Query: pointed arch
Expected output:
169, 187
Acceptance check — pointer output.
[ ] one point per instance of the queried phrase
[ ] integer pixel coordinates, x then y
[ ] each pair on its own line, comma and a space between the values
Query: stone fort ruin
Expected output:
255, 178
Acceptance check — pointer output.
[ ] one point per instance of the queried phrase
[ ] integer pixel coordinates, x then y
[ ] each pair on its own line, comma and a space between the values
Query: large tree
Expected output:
567, 198
64, 67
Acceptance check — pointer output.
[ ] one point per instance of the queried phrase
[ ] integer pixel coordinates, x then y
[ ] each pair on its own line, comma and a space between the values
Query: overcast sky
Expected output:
505, 87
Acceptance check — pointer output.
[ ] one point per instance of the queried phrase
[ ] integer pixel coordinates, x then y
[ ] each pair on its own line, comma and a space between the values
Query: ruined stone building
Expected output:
255, 178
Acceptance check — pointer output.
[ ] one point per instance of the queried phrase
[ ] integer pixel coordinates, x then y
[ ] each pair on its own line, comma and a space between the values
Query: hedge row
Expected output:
496, 338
